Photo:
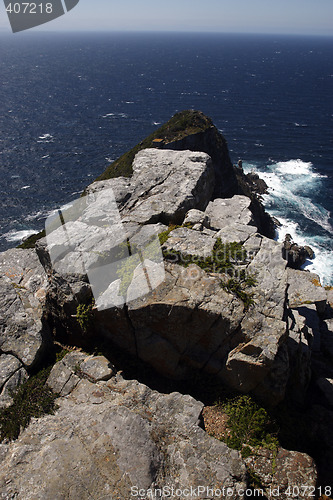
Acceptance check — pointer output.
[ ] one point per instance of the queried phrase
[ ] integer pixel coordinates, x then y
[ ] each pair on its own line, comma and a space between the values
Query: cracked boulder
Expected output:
66, 374
192, 322
23, 288
229, 212
110, 438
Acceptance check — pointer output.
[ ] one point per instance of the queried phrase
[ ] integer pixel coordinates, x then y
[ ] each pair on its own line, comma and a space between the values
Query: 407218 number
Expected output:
29, 8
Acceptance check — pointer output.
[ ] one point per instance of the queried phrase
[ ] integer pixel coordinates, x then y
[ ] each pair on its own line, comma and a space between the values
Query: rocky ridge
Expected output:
245, 318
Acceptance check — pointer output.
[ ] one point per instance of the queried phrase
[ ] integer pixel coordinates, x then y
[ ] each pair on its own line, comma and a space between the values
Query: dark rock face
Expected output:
294, 254
213, 143
257, 185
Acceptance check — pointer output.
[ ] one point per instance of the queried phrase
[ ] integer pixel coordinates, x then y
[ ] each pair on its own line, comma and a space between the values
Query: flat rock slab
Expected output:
109, 437
23, 288
236, 232
221, 213
305, 288
189, 242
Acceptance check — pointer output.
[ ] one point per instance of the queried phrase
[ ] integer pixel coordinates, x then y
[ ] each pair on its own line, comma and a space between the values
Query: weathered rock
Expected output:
107, 440
23, 330
12, 374
304, 289
236, 232
210, 141
294, 254
221, 213
257, 185
194, 217
287, 472
66, 374
167, 184
260, 362
189, 242
300, 344
327, 338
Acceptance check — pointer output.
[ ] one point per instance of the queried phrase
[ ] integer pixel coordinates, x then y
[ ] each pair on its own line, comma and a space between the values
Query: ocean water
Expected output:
72, 103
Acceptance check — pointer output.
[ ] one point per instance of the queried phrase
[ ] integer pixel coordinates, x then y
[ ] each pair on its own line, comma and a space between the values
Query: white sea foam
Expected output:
115, 115
322, 264
45, 136
13, 236
292, 189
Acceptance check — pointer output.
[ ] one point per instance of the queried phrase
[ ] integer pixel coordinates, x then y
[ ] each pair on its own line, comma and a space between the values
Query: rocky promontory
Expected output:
168, 259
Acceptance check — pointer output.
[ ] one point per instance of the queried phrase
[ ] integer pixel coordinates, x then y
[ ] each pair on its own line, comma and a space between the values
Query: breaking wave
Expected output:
293, 188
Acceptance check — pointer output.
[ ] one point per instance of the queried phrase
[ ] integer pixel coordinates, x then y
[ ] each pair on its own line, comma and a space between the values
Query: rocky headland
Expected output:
152, 348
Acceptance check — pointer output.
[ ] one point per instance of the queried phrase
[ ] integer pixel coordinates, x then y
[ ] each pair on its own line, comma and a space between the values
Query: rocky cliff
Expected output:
171, 265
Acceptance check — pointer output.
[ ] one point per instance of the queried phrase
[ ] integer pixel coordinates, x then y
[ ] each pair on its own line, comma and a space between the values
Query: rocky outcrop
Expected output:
109, 439
294, 254
283, 472
213, 143
24, 333
214, 299
190, 319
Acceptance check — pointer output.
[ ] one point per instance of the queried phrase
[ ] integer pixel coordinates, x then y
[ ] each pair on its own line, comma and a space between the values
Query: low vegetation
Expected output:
222, 260
248, 426
85, 316
32, 399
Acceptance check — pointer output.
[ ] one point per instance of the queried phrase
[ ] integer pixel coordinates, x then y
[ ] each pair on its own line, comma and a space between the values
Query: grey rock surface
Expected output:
66, 374
167, 184
281, 473
305, 288
221, 213
189, 242
23, 289
236, 232
108, 437
12, 374
189, 320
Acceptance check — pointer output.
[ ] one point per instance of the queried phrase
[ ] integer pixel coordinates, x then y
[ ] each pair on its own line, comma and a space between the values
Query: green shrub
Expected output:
249, 425
32, 399
85, 315
238, 286
222, 259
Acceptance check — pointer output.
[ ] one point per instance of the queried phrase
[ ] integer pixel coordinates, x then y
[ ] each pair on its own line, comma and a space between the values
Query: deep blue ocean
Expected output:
72, 103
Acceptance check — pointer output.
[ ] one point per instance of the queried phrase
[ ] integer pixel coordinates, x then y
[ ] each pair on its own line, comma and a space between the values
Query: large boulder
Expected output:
24, 332
222, 213
166, 184
110, 439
